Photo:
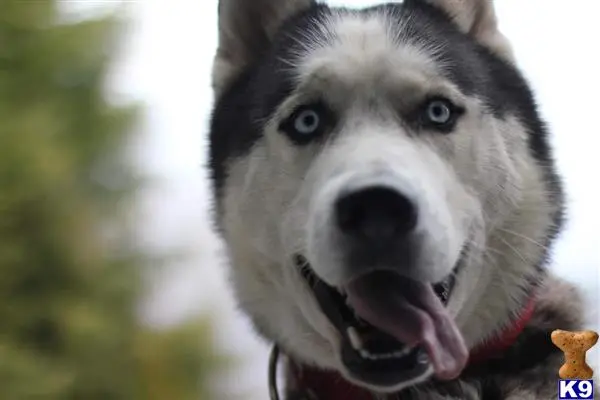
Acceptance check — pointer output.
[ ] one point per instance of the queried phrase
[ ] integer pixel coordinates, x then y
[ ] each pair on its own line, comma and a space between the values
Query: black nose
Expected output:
377, 214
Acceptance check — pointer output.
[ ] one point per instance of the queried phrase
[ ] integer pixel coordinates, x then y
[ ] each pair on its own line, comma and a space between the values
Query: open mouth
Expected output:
393, 329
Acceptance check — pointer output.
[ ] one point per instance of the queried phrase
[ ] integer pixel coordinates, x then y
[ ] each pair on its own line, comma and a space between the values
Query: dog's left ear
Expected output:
246, 28
478, 19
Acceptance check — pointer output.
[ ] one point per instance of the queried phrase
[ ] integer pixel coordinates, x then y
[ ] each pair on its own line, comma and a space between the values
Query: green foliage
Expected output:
69, 275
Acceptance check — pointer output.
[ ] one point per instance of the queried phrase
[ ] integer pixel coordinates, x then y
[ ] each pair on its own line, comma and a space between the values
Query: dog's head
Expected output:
382, 179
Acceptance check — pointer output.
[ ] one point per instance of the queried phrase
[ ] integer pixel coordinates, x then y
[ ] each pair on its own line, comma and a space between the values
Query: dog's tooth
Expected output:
347, 301
401, 353
388, 356
422, 358
368, 356
355, 339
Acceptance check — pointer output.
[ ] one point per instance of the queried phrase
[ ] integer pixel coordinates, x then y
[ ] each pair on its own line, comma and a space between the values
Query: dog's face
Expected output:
382, 179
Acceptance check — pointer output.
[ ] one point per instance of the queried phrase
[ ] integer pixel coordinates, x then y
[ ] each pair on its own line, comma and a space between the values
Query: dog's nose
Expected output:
376, 214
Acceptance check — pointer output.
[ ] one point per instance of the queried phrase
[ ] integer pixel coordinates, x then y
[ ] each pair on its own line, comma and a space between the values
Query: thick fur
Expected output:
488, 194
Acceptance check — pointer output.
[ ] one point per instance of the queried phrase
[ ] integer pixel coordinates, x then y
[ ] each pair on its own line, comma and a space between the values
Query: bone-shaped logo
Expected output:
575, 345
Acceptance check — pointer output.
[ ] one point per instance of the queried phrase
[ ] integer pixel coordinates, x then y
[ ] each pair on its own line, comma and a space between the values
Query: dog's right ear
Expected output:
246, 28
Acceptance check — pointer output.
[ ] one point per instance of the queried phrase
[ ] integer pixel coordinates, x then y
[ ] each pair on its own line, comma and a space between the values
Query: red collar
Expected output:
327, 385
506, 337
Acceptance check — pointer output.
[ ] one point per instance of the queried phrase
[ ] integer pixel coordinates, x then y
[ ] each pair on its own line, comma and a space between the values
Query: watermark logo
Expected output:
575, 374
573, 389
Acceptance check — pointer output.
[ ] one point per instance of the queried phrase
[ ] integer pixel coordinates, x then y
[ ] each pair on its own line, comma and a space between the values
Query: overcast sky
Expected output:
167, 61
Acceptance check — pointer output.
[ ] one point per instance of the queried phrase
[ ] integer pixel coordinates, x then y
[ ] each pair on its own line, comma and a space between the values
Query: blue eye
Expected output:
440, 114
307, 122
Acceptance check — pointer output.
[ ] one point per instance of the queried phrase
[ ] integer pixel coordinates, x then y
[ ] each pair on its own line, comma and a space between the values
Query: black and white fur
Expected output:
487, 193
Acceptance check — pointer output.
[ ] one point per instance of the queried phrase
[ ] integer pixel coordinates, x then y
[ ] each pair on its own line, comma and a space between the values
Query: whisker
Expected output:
523, 237
514, 250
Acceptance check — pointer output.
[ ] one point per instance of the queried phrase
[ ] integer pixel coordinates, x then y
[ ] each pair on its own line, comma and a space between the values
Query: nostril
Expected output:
376, 213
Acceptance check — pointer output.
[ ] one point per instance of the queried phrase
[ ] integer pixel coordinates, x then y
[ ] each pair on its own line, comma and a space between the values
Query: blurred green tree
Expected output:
70, 274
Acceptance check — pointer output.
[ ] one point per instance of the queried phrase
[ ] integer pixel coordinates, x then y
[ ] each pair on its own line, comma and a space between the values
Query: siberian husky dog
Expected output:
388, 199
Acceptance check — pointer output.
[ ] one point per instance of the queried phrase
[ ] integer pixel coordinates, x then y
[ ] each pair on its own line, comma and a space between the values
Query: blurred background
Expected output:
112, 283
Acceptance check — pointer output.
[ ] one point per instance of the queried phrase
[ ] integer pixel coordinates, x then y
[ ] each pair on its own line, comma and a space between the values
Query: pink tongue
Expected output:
411, 312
